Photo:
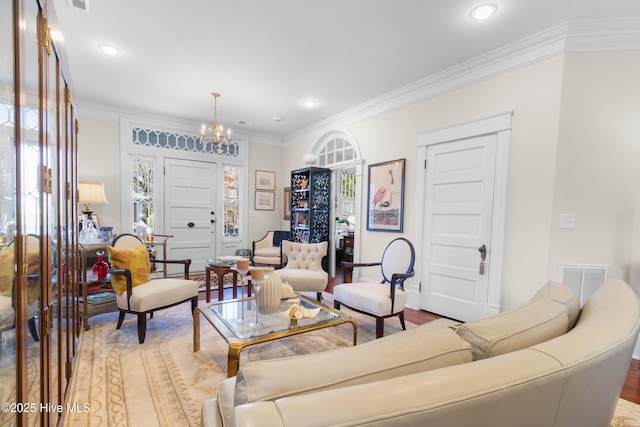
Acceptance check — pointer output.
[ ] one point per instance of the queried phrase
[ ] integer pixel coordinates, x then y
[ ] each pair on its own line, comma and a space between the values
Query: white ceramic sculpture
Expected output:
269, 294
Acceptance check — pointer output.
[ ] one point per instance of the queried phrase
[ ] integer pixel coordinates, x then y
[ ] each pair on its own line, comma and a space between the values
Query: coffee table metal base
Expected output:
237, 345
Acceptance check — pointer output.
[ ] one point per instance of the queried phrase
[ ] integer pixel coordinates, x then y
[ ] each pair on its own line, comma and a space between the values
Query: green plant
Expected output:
342, 220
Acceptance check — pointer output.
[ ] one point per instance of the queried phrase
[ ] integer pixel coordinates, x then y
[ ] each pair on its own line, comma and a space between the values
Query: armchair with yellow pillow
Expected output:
136, 292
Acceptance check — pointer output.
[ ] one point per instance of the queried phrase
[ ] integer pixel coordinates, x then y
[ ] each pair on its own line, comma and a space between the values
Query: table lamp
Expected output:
91, 192
88, 193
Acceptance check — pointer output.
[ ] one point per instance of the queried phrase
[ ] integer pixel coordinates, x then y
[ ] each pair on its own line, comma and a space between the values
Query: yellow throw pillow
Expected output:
7, 270
33, 269
135, 260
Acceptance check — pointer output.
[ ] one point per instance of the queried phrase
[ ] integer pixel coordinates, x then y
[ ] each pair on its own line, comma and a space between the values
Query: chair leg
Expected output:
120, 319
401, 316
33, 329
194, 304
142, 327
336, 305
319, 296
379, 327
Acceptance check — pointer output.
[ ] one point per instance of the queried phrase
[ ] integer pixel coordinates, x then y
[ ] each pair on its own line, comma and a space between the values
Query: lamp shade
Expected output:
91, 192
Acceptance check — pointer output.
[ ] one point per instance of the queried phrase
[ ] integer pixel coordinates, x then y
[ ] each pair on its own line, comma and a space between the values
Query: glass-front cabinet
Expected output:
38, 218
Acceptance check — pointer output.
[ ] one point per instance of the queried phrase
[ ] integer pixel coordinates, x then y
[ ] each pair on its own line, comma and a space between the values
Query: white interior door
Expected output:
459, 200
190, 194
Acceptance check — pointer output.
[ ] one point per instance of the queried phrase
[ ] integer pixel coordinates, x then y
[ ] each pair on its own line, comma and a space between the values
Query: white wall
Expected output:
533, 93
267, 158
597, 170
99, 160
574, 149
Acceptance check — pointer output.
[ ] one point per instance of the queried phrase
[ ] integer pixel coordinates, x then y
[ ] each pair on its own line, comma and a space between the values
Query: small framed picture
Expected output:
264, 201
265, 180
385, 207
286, 203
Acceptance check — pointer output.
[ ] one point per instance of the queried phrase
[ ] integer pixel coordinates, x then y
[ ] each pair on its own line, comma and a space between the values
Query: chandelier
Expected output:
213, 133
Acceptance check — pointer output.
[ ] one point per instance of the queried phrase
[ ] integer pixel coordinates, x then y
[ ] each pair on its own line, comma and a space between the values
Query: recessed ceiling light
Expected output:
309, 103
483, 11
108, 49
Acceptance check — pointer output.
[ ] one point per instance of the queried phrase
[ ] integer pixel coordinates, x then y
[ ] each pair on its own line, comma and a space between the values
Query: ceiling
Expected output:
266, 57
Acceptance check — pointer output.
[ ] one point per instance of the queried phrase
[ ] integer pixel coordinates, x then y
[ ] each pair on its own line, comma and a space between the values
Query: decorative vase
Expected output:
100, 268
268, 295
89, 231
106, 234
309, 159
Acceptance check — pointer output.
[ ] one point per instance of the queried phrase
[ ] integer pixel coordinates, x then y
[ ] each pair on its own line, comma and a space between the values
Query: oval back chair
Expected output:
385, 299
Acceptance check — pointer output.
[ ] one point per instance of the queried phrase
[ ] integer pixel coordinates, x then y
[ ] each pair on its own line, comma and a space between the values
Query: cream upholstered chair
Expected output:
268, 251
304, 267
138, 293
385, 299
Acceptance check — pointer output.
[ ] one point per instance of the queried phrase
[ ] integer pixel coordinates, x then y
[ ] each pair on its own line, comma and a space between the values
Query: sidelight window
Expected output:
231, 201
143, 171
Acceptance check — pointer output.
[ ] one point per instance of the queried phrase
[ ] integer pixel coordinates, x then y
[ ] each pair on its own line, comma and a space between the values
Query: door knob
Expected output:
483, 255
483, 252
190, 224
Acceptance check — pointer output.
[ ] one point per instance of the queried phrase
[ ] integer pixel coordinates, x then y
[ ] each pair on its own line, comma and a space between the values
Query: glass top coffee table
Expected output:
226, 318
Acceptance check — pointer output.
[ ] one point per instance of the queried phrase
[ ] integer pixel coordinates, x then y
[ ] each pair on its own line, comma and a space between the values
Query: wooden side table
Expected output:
220, 270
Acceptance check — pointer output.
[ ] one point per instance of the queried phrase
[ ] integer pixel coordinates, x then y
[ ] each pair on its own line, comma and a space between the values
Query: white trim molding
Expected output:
574, 36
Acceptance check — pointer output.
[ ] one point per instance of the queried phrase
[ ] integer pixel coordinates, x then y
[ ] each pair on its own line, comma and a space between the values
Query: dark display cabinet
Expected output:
310, 204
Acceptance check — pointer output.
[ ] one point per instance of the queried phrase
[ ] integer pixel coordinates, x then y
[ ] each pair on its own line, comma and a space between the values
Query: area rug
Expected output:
163, 382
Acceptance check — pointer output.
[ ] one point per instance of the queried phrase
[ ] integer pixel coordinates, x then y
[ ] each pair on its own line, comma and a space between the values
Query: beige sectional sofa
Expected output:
547, 363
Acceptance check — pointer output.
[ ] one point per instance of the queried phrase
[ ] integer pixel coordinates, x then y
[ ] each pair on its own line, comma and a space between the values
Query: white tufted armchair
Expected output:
304, 266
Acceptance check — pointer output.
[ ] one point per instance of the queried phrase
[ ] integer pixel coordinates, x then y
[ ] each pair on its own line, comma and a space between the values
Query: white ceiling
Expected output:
266, 57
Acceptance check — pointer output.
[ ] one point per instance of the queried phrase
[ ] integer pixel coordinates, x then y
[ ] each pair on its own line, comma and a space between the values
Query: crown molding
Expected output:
576, 36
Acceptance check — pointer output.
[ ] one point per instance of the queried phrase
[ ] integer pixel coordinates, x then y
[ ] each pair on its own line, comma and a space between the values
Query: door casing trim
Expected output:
500, 125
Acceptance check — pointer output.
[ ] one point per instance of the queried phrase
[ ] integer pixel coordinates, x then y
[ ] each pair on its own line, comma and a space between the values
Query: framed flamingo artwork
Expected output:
385, 198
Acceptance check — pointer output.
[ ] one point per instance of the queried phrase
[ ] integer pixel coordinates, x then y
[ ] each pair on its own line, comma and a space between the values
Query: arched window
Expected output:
336, 149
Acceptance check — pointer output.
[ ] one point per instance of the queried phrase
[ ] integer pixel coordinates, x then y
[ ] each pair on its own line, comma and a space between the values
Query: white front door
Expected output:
190, 195
458, 217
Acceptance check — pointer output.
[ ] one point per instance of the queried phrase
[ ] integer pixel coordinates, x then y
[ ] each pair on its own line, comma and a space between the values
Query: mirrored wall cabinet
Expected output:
38, 217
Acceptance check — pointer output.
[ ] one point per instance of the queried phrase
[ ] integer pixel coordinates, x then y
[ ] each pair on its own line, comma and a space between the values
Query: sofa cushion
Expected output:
404, 353
369, 297
225, 400
158, 293
536, 322
564, 295
304, 280
271, 252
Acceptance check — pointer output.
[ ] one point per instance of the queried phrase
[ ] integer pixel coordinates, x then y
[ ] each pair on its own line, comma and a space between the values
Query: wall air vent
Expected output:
80, 4
583, 279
